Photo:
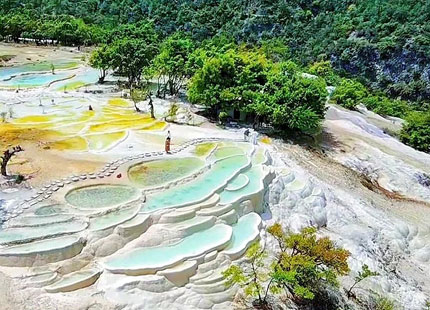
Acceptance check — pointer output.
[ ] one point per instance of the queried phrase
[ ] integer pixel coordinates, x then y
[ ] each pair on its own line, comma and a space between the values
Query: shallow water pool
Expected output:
49, 210
33, 80
199, 189
255, 175
8, 72
148, 259
226, 151
101, 196
157, 172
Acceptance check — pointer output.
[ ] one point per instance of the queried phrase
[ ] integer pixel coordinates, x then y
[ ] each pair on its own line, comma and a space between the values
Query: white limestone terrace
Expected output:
110, 168
196, 234
383, 159
390, 235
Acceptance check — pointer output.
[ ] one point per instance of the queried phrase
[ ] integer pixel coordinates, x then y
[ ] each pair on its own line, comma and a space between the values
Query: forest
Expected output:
376, 52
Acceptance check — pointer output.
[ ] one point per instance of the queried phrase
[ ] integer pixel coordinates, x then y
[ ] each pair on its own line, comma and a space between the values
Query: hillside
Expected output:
384, 43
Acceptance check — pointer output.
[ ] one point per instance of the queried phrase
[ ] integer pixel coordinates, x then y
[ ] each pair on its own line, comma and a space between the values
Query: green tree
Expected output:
131, 57
102, 59
211, 83
171, 64
290, 100
275, 92
133, 50
303, 265
253, 279
306, 263
15, 25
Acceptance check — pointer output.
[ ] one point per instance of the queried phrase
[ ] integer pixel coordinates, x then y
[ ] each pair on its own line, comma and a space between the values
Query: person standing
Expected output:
151, 105
167, 145
254, 138
246, 135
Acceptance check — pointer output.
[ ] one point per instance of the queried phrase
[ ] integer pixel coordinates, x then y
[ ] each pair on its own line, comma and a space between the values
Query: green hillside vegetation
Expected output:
252, 56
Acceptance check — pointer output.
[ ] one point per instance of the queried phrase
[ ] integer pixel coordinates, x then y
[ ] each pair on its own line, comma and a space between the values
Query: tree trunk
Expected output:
7, 155
102, 76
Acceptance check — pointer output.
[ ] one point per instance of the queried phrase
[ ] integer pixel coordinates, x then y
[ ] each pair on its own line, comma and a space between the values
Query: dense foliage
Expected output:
63, 29
349, 93
172, 65
416, 132
273, 92
384, 43
130, 50
303, 266
376, 52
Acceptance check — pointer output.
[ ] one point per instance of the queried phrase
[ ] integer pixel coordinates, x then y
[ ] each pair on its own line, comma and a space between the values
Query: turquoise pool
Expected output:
244, 232
29, 233
150, 259
33, 80
255, 175
101, 196
89, 76
199, 189
8, 72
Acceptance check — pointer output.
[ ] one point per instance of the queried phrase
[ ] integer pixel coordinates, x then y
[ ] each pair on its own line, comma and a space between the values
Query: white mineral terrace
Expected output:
107, 218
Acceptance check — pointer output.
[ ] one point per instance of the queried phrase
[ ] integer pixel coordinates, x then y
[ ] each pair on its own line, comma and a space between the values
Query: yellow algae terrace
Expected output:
103, 127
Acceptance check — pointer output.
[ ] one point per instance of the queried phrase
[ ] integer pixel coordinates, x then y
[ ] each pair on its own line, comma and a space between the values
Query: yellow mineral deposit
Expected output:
68, 130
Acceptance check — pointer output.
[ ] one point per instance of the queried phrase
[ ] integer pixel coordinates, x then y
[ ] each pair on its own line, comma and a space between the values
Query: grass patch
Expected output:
75, 144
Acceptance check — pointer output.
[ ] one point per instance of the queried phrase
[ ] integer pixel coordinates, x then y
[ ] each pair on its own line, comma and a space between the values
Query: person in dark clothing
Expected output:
151, 105
246, 135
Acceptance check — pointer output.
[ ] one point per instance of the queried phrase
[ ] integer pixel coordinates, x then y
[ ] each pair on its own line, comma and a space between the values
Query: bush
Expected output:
349, 93
324, 69
222, 116
383, 303
385, 106
416, 132
19, 179
173, 110
248, 81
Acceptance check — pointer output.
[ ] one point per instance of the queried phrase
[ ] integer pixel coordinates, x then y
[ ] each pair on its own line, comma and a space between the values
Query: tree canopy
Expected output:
246, 80
303, 265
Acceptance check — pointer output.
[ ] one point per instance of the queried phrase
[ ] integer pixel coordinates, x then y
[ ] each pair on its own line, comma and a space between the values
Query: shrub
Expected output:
416, 132
248, 81
383, 303
304, 264
385, 106
349, 93
222, 116
324, 69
